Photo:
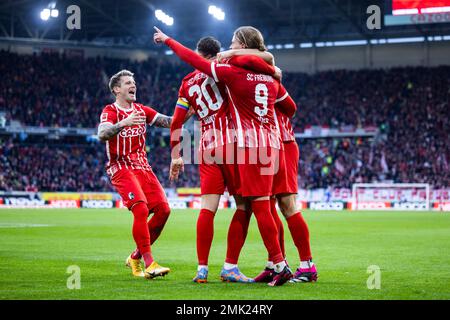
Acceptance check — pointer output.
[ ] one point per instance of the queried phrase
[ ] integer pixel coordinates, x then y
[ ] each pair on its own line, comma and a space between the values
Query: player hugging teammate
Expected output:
259, 108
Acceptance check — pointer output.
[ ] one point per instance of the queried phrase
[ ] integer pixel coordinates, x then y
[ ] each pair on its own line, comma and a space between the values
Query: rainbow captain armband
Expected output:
182, 103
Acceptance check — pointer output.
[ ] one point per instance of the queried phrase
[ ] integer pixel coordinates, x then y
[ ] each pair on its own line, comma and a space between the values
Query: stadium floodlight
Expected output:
216, 12
45, 14
54, 13
163, 17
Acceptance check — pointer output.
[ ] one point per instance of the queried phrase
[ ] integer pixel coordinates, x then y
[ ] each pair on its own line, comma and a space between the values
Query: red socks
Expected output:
278, 223
268, 229
141, 234
158, 221
300, 234
136, 254
237, 233
205, 233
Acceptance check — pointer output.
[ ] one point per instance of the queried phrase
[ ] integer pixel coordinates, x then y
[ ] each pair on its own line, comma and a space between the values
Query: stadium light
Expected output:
45, 14
163, 17
216, 12
50, 11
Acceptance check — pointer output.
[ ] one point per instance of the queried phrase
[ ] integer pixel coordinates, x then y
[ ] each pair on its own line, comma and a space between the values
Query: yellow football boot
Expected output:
155, 270
135, 265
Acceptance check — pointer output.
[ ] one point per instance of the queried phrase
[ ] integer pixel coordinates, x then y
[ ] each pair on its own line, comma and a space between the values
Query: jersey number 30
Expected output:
201, 92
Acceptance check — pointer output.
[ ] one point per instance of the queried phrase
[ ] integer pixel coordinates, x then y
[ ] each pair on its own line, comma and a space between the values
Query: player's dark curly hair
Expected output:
208, 47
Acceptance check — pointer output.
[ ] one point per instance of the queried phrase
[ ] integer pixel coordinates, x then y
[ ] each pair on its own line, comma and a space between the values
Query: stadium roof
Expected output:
129, 23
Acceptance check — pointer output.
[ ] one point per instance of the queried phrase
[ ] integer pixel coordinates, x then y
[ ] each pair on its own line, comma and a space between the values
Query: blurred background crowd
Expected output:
409, 106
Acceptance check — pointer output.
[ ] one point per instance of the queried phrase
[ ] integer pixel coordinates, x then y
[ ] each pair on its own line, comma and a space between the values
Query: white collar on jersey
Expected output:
124, 109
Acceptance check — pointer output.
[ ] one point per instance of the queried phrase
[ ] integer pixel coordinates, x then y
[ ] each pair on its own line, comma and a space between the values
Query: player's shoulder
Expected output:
190, 75
225, 64
143, 107
193, 77
109, 107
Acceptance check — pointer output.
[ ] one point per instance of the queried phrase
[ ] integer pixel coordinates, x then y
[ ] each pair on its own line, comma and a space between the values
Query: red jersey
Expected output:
127, 148
210, 102
252, 99
251, 95
283, 122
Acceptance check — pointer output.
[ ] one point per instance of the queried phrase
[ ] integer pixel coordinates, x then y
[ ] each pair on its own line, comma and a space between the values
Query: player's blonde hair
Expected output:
250, 37
115, 79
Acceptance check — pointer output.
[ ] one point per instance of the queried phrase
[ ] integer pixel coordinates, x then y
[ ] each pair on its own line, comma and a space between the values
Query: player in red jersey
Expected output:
210, 101
252, 99
285, 191
123, 128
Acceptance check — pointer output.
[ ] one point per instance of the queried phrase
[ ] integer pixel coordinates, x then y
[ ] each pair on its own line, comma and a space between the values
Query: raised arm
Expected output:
265, 55
185, 54
253, 63
285, 103
178, 118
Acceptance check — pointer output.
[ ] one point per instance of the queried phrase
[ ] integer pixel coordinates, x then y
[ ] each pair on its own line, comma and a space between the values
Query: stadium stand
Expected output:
408, 105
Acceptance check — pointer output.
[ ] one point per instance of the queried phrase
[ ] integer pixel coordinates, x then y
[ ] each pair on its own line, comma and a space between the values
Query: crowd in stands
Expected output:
410, 106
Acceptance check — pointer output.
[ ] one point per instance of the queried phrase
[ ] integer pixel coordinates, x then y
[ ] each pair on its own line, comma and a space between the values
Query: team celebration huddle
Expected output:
247, 148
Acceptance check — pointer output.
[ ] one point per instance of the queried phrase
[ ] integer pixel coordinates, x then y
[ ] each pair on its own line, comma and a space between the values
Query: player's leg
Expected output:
267, 274
205, 234
158, 205
238, 228
256, 184
278, 223
128, 187
156, 202
237, 233
298, 227
212, 185
279, 186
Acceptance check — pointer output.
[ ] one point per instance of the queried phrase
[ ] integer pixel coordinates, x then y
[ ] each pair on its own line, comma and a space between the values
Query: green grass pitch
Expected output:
37, 246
